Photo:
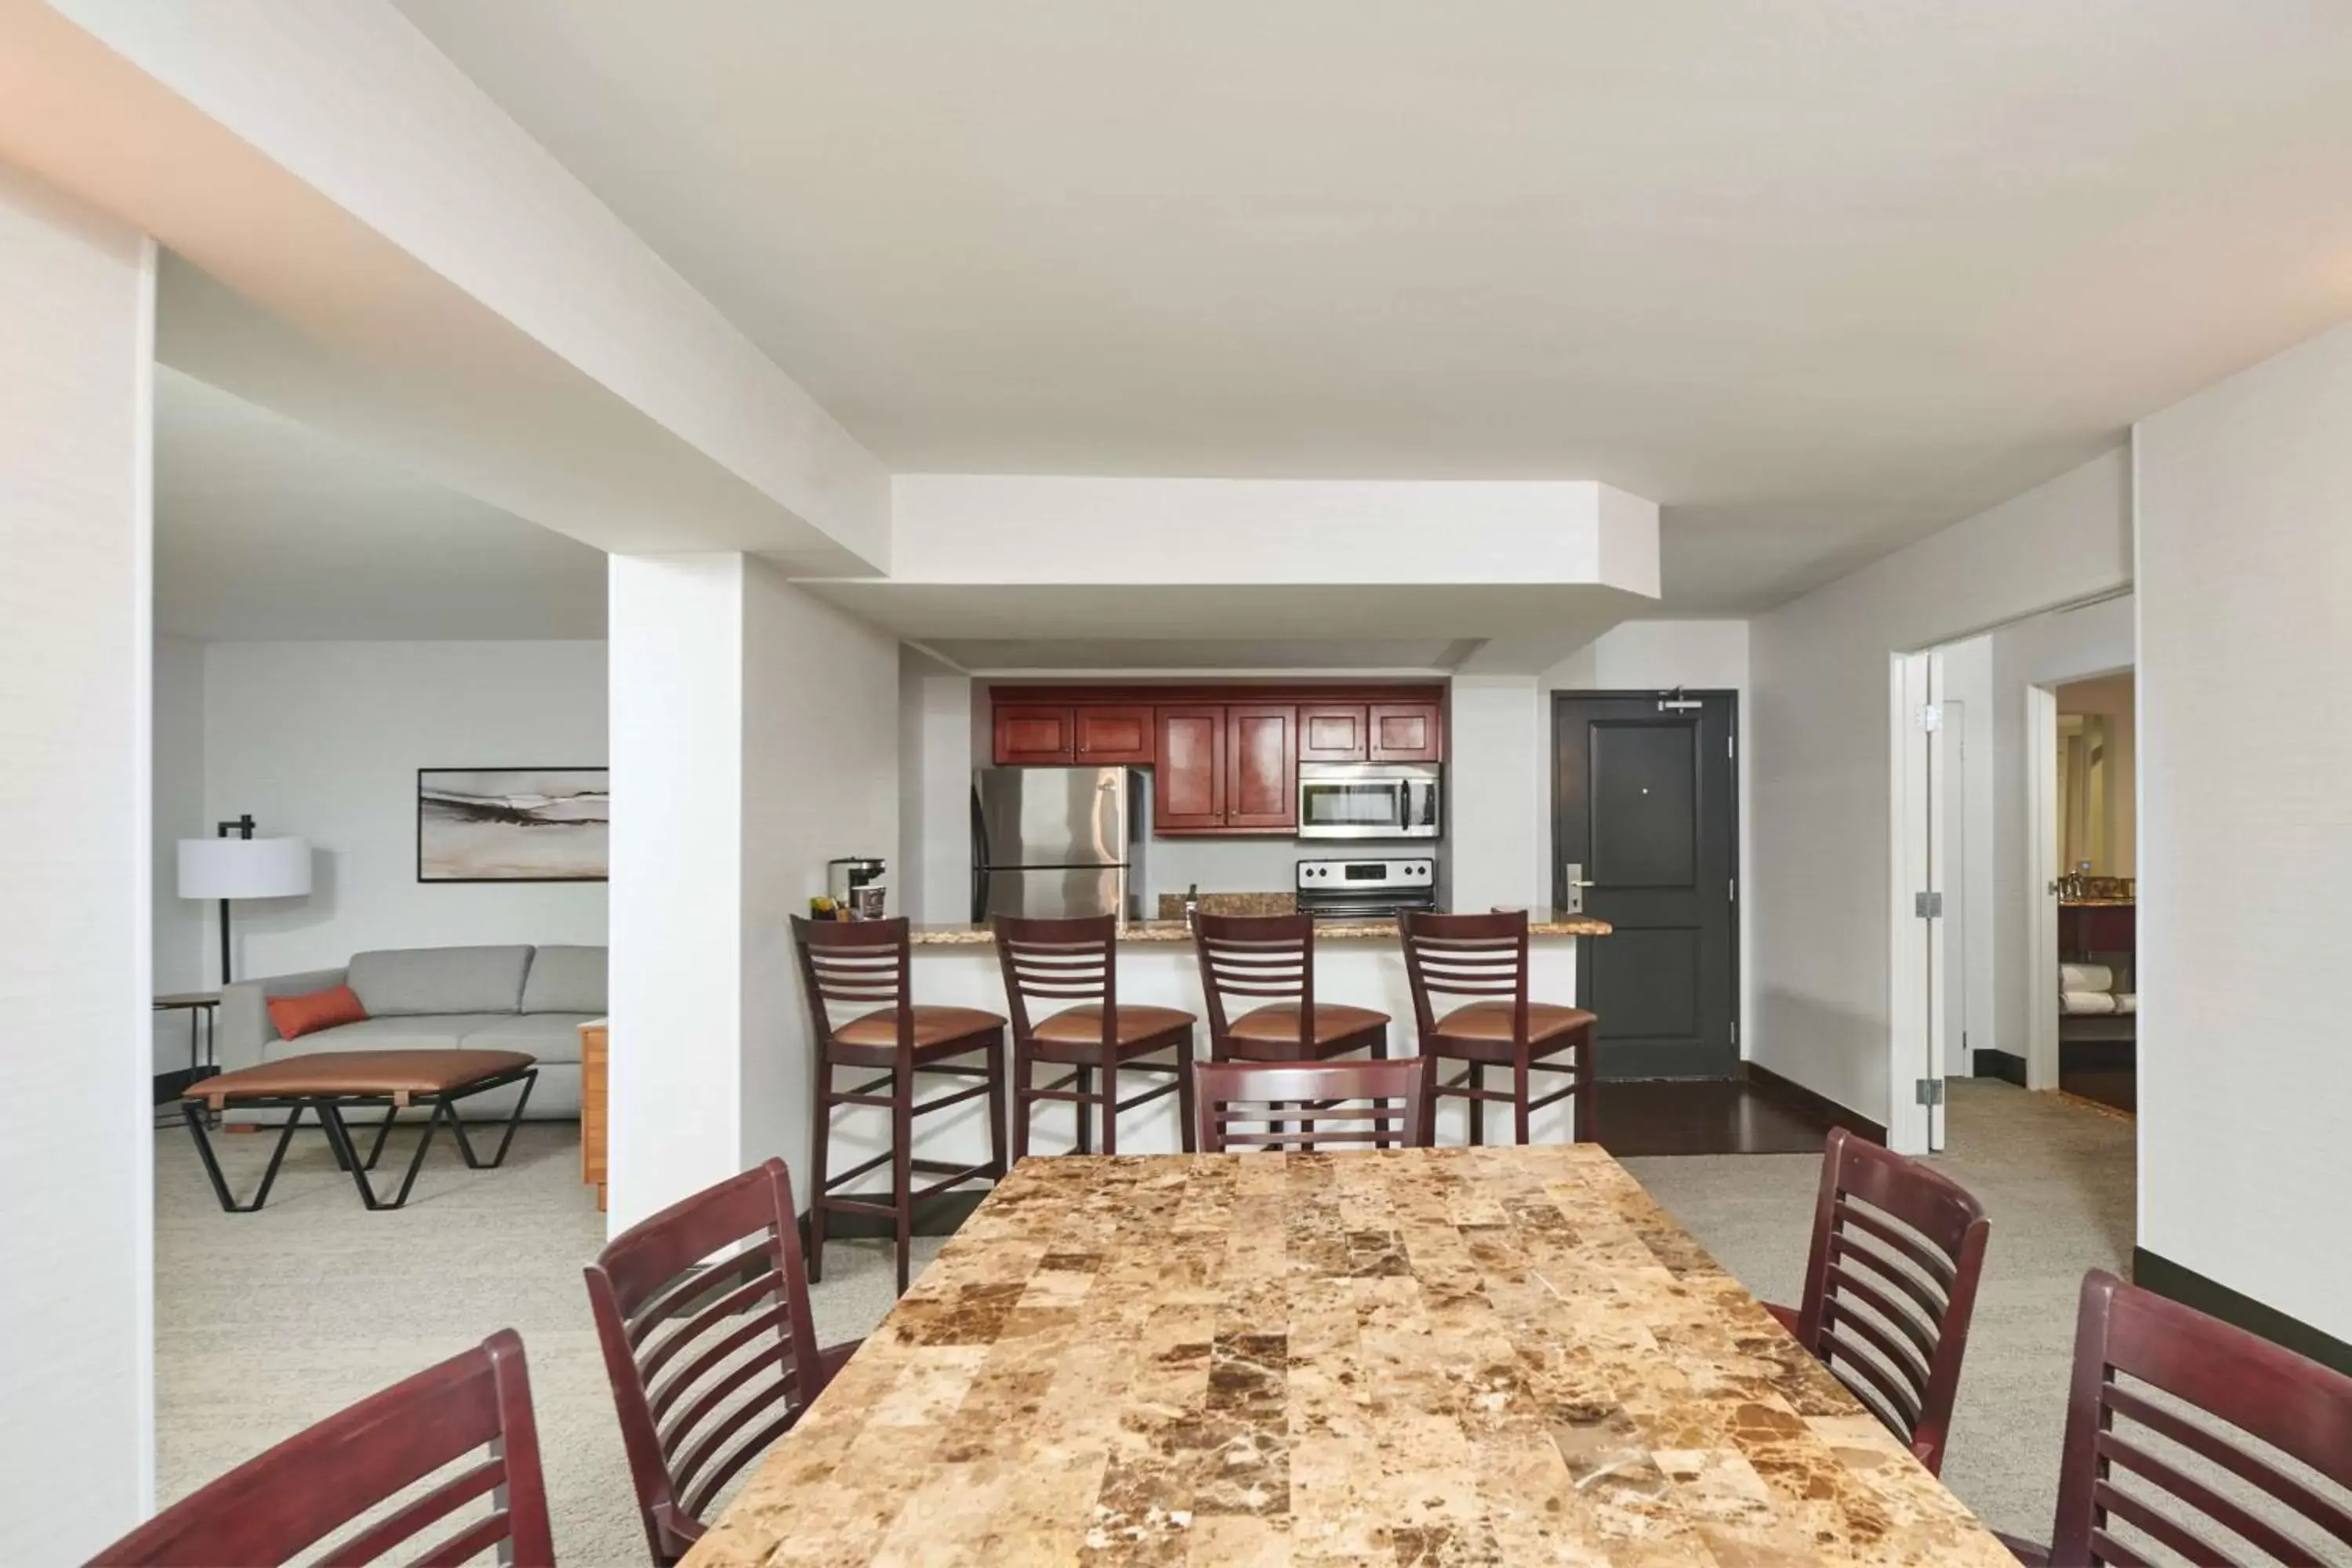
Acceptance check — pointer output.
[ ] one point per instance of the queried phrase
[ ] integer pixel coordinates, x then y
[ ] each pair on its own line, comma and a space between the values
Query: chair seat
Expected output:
873, 1037
1482, 1030
1336, 1024
1139, 1029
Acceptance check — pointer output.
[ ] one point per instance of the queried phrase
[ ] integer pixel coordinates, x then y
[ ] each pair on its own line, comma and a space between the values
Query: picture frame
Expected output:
513, 824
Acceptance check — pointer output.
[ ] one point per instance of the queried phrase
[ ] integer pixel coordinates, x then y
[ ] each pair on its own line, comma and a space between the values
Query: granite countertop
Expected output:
1455, 1355
2096, 903
1553, 925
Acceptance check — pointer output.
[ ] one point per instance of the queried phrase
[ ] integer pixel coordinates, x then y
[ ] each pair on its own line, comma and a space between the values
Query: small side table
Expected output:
203, 1008
595, 1050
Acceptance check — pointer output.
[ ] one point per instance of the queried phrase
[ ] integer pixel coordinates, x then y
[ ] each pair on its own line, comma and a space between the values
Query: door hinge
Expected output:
1734, 890
1930, 1091
1928, 906
1731, 747
1931, 716
1735, 1031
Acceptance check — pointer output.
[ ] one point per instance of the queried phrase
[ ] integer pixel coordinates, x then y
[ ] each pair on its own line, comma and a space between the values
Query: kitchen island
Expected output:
1360, 962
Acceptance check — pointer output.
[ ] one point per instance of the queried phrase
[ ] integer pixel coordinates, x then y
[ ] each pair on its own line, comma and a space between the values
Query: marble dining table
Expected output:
1452, 1356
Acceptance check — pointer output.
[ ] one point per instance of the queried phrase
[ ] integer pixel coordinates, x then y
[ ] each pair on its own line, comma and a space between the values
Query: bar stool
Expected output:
1274, 956
1485, 957
1077, 961
865, 965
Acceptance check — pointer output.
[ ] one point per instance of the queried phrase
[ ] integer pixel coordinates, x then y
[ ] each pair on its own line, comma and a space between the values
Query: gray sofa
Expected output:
439, 998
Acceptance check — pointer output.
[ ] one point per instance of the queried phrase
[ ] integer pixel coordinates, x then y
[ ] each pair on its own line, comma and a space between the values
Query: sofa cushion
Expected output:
550, 1036
409, 1032
405, 980
565, 980
295, 1016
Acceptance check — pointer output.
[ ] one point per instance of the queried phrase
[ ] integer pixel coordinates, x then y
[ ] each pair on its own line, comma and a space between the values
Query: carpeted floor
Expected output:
267, 1321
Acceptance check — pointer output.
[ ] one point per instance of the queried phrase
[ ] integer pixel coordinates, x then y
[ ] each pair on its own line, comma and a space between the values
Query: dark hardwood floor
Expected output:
1710, 1116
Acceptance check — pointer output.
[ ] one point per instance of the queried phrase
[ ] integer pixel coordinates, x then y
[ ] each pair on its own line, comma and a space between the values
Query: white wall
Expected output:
809, 671
1656, 656
931, 880
323, 740
2042, 651
1497, 754
755, 736
1820, 734
2245, 842
186, 957
76, 1303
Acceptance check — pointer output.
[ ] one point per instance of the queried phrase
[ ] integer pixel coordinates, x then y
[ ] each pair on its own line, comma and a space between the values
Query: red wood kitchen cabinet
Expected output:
1333, 732
1113, 737
1405, 732
1034, 737
1262, 766
1188, 794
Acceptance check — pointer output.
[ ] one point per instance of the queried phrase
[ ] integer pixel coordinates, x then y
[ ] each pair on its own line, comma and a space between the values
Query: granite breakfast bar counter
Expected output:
1359, 963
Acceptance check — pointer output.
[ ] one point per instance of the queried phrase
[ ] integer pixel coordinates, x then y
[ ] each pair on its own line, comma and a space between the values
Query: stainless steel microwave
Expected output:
1369, 800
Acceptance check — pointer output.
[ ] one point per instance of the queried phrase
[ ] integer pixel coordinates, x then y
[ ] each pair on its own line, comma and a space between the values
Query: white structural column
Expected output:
753, 738
77, 324
1496, 749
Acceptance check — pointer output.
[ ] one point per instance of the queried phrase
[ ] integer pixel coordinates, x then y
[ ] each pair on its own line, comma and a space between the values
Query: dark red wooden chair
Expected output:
703, 1311
2125, 1500
1075, 963
1481, 963
1890, 1286
1269, 961
1314, 1105
862, 968
278, 1504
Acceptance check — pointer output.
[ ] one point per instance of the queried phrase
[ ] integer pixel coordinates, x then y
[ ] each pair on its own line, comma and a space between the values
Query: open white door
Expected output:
1914, 1080
2040, 959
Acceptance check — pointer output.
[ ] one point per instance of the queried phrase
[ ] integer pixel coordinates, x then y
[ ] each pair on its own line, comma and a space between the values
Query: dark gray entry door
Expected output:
1646, 815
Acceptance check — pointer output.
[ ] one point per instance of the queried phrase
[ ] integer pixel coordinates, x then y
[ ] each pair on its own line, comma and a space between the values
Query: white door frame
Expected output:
1911, 1021
2040, 959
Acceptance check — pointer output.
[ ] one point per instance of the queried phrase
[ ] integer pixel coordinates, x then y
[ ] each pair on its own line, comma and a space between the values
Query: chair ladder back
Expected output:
473, 1410
703, 1314
1890, 1286
1380, 1104
1060, 962
2225, 1406
1481, 957
1268, 959
851, 968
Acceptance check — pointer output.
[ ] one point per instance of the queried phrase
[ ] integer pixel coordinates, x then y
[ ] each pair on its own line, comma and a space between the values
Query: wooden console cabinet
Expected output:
1226, 757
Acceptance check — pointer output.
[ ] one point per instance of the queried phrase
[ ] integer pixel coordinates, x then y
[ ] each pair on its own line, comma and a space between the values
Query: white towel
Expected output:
2085, 977
2128, 1002
2085, 1002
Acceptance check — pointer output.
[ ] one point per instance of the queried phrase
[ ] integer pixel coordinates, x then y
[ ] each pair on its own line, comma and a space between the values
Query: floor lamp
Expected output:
236, 864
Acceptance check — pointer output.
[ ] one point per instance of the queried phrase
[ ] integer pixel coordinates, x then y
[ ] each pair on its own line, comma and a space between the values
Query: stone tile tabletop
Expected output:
1404, 1356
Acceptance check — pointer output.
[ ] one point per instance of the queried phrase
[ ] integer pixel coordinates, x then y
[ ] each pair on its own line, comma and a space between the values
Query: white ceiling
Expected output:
267, 530
1818, 278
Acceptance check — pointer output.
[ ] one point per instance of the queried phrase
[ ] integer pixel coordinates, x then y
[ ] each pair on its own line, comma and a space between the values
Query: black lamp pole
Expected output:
243, 828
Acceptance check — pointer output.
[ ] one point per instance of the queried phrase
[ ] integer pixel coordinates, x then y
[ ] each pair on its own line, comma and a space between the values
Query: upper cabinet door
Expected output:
1034, 737
1262, 766
1109, 737
1188, 795
1406, 732
1333, 732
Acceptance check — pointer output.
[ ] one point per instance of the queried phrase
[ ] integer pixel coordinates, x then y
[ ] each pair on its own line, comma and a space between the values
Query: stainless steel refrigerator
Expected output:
1058, 841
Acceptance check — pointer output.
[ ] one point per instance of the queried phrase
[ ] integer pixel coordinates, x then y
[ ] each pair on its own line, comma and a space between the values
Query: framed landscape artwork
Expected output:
513, 824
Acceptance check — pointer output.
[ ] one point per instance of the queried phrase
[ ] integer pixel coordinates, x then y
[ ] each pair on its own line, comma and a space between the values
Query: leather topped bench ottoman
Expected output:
329, 1083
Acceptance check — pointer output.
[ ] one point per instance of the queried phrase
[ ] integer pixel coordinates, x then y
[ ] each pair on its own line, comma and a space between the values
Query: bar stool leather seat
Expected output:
1083, 1025
938, 1032
1483, 1028
1278, 1024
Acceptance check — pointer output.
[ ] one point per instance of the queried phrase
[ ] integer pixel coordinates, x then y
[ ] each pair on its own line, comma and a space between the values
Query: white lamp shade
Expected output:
244, 868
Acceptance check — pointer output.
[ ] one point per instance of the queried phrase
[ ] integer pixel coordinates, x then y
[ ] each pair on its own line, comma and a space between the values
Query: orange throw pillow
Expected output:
297, 1015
